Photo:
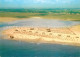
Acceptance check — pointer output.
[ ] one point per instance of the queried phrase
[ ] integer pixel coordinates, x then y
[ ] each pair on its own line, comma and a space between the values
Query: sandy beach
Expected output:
70, 35
9, 19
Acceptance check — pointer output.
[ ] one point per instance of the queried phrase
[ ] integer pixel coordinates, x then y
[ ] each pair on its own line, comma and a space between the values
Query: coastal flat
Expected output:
69, 35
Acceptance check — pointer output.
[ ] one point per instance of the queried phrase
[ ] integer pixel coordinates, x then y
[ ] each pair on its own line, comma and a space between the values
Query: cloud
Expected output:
8, 0
40, 1
57, 0
64, 1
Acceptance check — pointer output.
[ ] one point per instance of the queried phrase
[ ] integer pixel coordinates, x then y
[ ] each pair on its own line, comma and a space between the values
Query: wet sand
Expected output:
70, 35
9, 19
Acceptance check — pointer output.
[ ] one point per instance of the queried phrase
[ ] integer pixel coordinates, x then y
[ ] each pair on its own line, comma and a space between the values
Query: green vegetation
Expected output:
63, 14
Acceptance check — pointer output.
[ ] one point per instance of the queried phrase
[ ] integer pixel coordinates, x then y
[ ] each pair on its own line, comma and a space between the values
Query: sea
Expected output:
12, 48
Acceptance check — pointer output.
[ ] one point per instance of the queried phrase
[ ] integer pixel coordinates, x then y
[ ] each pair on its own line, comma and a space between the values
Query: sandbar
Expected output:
69, 35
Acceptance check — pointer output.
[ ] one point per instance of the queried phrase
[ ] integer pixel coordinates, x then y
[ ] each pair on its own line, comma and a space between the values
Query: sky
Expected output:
39, 3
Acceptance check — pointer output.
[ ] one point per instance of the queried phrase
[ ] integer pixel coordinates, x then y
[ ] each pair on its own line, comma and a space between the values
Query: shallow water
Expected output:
9, 48
38, 22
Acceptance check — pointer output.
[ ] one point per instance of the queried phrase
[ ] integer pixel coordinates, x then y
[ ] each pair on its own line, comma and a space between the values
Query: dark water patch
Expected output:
22, 49
3, 24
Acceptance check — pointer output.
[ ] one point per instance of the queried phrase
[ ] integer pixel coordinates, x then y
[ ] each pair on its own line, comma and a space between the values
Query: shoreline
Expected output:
9, 19
46, 42
68, 36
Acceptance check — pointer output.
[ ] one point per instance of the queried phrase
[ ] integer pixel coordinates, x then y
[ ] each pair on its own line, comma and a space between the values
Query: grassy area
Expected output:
72, 17
62, 14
